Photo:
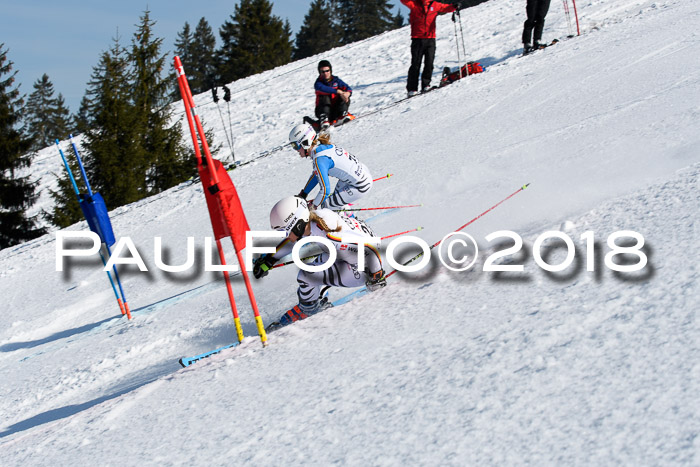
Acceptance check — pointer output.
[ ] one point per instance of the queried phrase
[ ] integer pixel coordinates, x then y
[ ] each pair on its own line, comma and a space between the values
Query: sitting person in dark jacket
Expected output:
332, 96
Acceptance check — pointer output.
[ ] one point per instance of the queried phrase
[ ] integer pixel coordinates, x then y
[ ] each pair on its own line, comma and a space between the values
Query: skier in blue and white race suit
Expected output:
346, 235
354, 178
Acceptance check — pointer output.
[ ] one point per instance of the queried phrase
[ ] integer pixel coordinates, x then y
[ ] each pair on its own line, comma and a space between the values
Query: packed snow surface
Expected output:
583, 366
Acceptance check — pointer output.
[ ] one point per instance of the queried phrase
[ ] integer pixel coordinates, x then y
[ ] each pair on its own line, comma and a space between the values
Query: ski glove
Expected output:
375, 281
262, 265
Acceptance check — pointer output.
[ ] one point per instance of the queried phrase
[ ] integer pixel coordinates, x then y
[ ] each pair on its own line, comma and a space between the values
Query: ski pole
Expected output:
216, 101
568, 17
381, 178
459, 59
464, 47
313, 256
578, 29
227, 98
387, 176
382, 207
292, 262
401, 233
522, 188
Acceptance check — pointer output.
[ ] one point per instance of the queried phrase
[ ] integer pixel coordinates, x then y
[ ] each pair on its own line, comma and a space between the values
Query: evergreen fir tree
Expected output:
47, 116
318, 33
17, 193
60, 120
167, 161
399, 20
112, 151
183, 45
201, 73
253, 40
360, 19
80, 121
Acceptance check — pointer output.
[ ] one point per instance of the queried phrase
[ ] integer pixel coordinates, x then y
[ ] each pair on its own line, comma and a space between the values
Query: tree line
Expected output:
130, 147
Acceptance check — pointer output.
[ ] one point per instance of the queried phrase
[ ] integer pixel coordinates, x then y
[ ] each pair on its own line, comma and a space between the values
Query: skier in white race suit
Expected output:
292, 216
329, 160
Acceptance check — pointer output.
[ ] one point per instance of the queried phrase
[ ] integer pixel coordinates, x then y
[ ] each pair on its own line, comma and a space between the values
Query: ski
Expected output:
427, 90
316, 124
187, 361
541, 47
325, 304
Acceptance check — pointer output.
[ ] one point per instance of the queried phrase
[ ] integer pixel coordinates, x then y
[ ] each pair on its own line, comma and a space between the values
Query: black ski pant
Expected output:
536, 11
326, 107
420, 49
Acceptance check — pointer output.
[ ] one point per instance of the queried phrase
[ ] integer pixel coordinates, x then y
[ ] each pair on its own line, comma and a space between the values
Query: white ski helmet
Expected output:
302, 136
290, 215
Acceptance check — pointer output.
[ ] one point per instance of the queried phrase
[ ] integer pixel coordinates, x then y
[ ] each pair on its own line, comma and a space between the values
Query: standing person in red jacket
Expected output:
332, 96
422, 20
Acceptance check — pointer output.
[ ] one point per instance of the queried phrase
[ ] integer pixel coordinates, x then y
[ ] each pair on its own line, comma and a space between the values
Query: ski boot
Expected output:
323, 120
375, 281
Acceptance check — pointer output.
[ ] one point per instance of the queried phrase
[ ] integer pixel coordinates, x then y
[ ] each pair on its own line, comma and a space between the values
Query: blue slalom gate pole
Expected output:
96, 212
95, 209
77, 195
80, 164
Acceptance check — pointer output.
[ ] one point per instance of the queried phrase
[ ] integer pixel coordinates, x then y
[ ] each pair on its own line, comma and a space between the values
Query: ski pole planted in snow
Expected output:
459, 59
568, 17
227, 98
223, 124
464, 47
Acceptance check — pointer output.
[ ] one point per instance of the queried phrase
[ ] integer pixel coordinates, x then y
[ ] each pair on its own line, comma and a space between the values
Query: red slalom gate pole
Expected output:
184, 88
229, 290
382, 207
578, 30
223, 203
522, 188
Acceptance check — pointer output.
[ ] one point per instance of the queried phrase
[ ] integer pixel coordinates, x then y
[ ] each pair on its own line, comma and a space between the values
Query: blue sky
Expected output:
64, 38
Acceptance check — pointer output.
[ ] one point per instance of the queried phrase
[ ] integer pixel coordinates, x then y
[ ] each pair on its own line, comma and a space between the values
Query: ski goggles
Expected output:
296, 146
296, 224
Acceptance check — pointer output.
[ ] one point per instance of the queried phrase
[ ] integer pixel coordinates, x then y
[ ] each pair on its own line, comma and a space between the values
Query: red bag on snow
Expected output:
449, 76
